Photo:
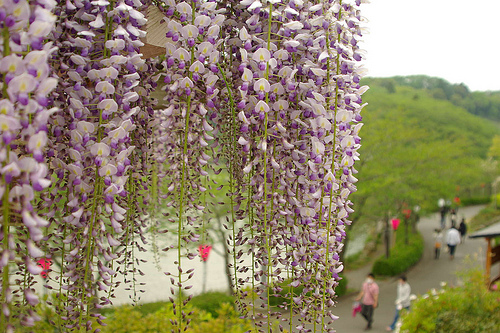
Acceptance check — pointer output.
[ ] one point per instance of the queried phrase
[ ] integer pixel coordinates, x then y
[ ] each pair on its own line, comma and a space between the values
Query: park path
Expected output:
427, 274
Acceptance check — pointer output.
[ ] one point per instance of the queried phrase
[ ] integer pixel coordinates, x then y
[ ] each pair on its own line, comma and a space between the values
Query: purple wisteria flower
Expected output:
27, 82
280, 87
99, 151
266, 91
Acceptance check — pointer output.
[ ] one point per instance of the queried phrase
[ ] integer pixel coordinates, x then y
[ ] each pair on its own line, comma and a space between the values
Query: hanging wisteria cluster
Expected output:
27, 82
266, 90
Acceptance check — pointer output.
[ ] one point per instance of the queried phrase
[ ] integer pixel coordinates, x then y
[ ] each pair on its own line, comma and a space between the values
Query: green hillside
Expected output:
485, 104
417, 148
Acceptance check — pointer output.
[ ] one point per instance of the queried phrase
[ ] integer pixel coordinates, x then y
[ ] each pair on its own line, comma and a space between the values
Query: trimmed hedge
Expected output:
402, 256
476, 201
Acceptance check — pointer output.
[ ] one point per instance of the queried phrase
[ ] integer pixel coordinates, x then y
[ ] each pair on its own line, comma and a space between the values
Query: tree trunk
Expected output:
406, 230
223, 239
387, 237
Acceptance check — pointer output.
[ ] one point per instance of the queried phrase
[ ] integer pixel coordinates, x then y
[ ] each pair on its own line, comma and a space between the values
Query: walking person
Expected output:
462, 228
402, 301
438, 241
452, 239
453, 218
369, 299
442, 212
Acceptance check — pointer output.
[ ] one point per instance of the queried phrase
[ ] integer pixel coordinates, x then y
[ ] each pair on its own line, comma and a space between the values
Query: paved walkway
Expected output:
427, 274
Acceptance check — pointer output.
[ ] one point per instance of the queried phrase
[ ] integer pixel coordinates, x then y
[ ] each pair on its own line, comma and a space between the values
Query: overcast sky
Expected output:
457, 40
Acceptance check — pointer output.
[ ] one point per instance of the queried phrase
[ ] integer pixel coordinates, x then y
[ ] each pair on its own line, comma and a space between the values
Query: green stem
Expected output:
181, 211
4, 320
130, 226
231, 175
6, 52
109, 26
90, 249
251, 221
267, 231
329, 222
292, 289
61, 275
97, 197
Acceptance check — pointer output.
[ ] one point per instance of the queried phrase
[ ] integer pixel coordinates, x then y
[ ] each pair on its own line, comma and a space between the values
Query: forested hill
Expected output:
417, 148
485, 104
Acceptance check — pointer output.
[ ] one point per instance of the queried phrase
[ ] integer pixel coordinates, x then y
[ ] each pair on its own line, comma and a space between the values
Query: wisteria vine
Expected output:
266, 90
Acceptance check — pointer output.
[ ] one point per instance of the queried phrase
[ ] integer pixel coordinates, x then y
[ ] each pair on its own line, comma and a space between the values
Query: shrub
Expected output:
227, 321
212, 301
283, 296
152, 307
142, 308
467, 308
341, 289
156, 317
402, 256
129, 319
486, 217
476, 201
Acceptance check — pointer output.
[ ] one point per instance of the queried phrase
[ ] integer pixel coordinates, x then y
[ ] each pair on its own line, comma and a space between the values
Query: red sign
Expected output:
45, 264
204, 251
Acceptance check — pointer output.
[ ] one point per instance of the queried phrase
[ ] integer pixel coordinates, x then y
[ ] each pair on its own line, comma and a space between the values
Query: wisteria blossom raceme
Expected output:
266, 92
300, 58
100, 171
288, 75
27, 83
192, 87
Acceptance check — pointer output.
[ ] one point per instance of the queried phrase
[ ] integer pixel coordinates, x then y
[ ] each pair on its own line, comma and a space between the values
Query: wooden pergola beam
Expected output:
488, 259
156, 28
492, 254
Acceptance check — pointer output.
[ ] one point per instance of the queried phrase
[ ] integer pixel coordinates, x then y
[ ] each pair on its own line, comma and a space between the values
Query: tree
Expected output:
407, 156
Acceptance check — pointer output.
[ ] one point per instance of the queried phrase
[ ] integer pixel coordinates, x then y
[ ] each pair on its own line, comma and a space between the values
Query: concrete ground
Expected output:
427, 274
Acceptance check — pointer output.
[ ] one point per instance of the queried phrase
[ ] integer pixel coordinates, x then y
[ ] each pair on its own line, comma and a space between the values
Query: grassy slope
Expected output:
415, 148
418, 147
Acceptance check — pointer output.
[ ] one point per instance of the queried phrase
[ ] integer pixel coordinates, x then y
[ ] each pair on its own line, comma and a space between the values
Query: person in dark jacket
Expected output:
462, 228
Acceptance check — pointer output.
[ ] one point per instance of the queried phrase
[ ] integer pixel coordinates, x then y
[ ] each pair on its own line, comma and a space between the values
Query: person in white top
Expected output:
452, 239
438, 236
402, 300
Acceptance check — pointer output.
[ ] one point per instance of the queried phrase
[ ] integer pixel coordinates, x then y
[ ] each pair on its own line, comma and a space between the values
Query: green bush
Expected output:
129, 319
147, 308
283, 297
402, 256
486, 217
156, 317
212, 301
227, 321
209, 302
341, 289
464, 309
476, 201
